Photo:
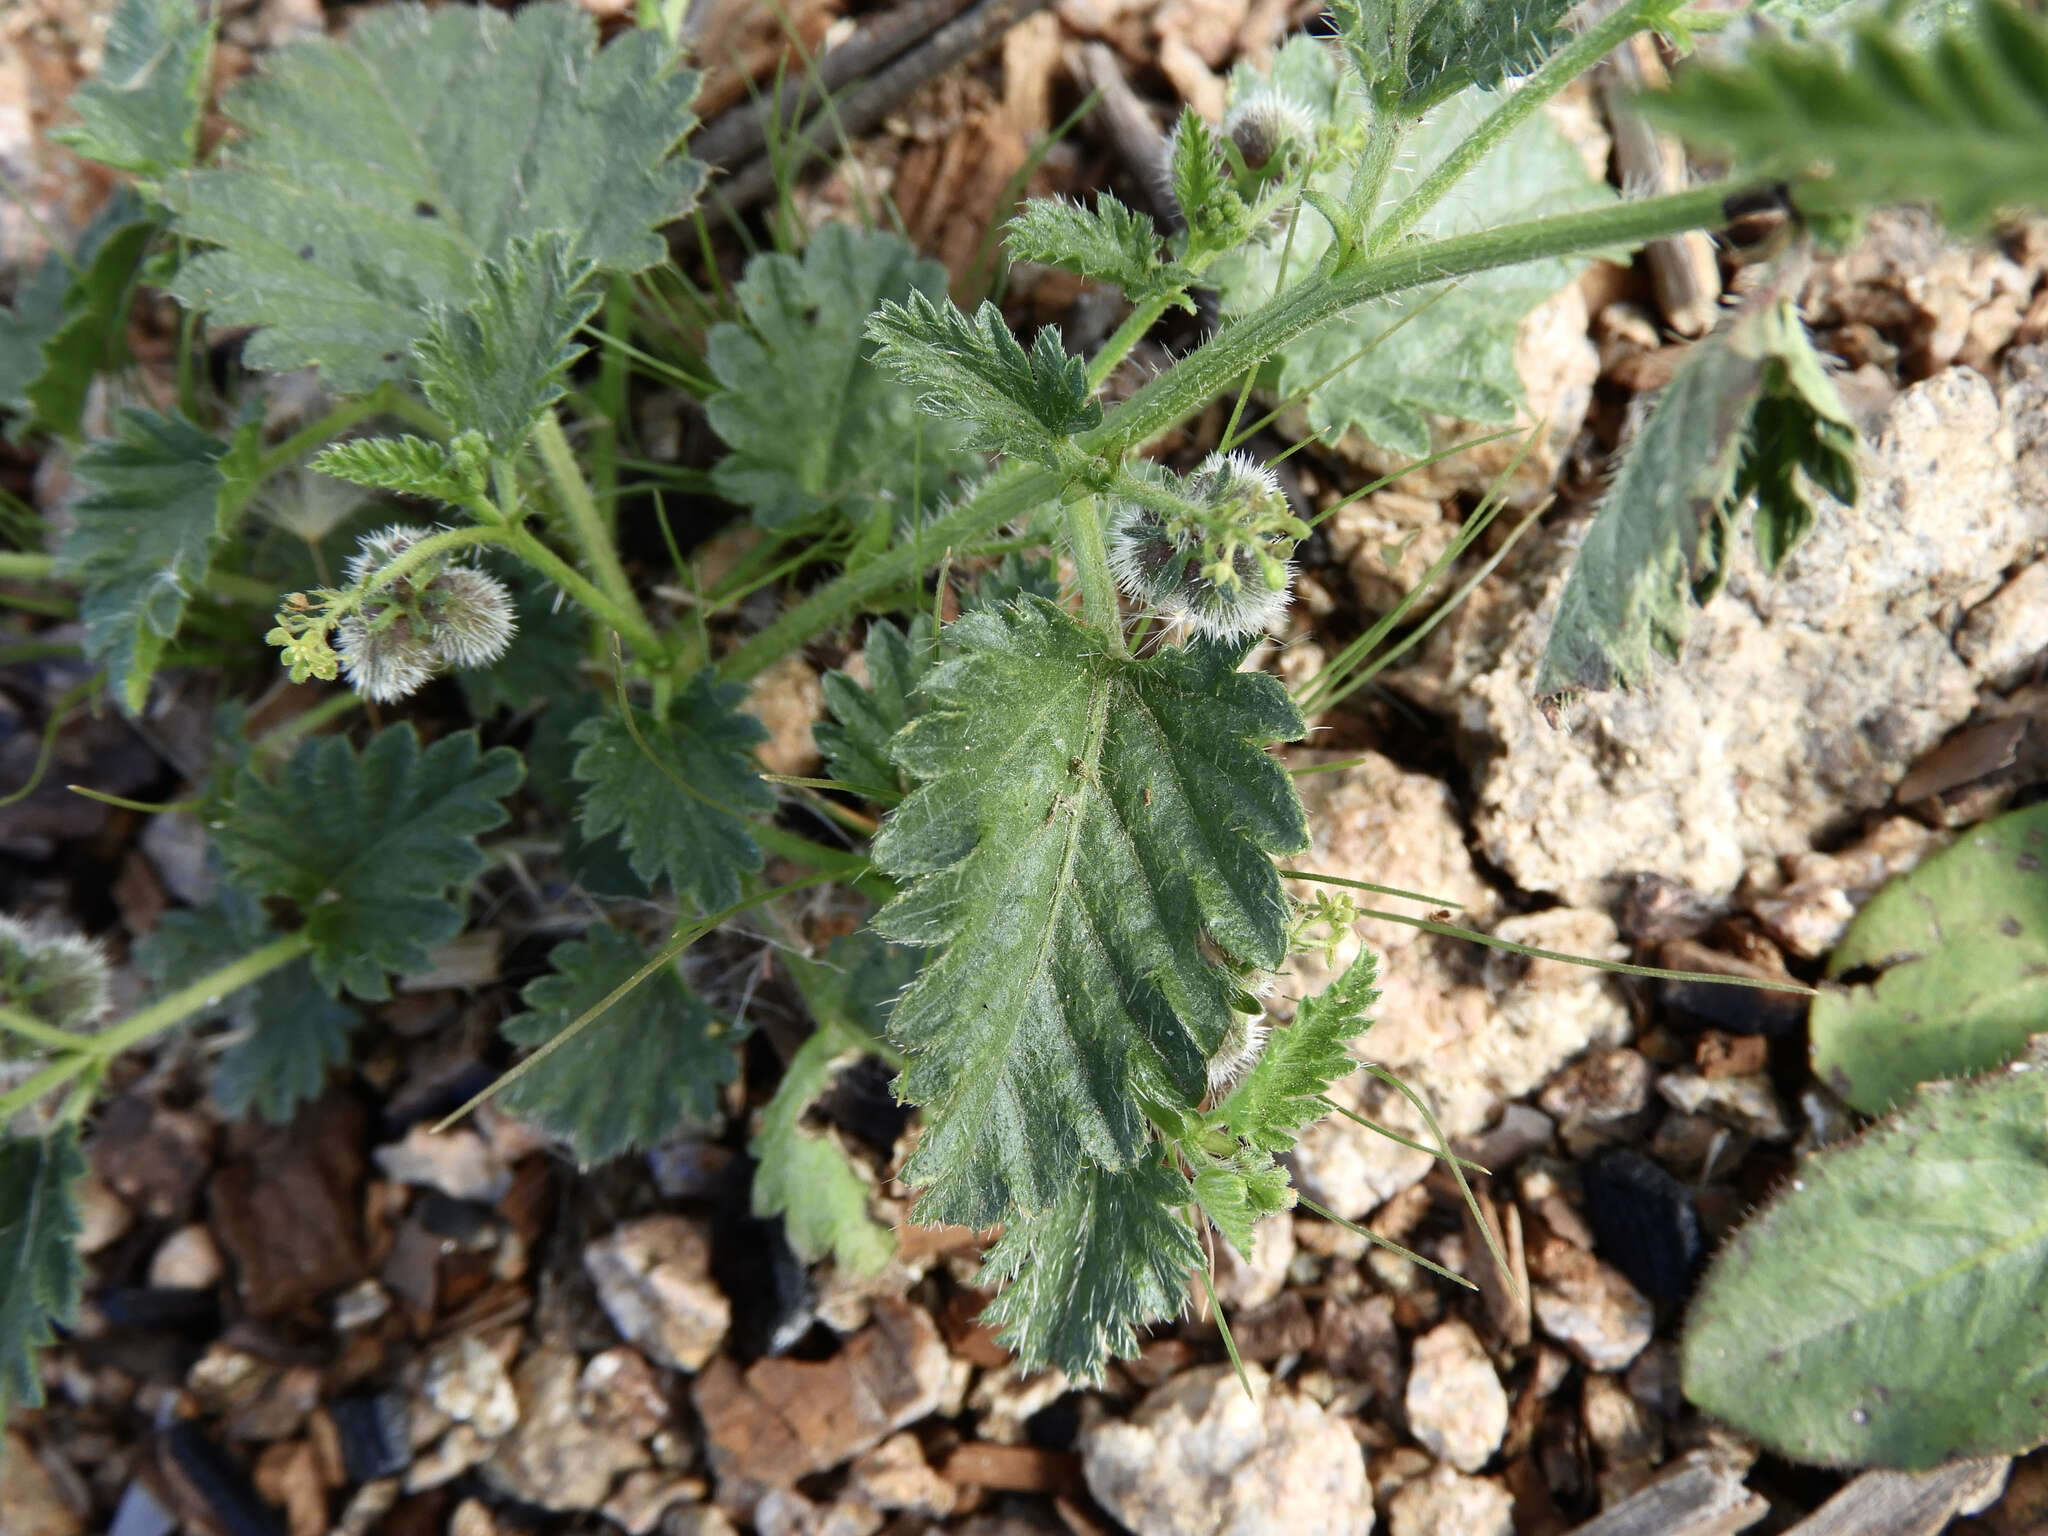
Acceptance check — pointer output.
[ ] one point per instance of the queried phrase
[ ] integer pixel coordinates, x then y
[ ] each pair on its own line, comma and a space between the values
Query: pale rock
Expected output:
1456, 1405
1820, 893
1588, 1306
1094, 18
367, 1507
642, 1498
895, 1476
1200, 1457
552, 1458
785, 1512
1801, 699
1195, 82
1004, 1399
653, 1277
472, 1517
1620, 1428
1209, 27
466, 1380
788, 698
32, 1499
1241, 1284
697, 1520
619, 1394
187, 1260
1598, 1087
1748, 1103
1387, 542
458, 1163
103, 1216
2004, 636
1445, 1503
360, 1305
460, 1449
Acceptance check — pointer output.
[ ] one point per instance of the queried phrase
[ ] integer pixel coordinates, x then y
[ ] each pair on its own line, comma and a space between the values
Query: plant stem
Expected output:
26, 565
587, 522
378, 402
1558, 71
1123, 338
14, 1022
855, 869
1091, 569
630, 621
1382, 140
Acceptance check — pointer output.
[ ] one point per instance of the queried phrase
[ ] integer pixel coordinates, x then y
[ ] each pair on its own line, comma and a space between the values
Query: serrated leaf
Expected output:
141, 112
289, 1032
813, 425
1414, 53
369, 847
1217, 215
680, 794
374, 176
1920, 20
1959, 948
57, 373
25, 330
409, 465
1239, 1191
1886, 1308
1109, 242
971, 369
1014, 576
804, 1175
1111, 1254
1660, 540
855, 740
1281, 1094
494, 363
1455, 354
1084, 829
1957, 123
647, 1067
40, 1270
156, 503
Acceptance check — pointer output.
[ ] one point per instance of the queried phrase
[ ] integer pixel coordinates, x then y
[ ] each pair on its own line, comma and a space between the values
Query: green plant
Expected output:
1078, 813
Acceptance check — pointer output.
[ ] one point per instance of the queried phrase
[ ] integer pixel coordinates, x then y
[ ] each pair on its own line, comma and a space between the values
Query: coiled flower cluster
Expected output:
428, 619
57, 979
1209, 549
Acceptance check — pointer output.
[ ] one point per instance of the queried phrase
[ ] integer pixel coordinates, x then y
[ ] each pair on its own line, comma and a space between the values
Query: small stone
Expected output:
1521, 1130
103, 1216
552, 1458
258, 1399
360, 1305
642, 1498
187, 1260
1447, 1504
895, 1476
1254, 1282
1644, 1221
288, 1475
376, 1435
472, 1517
1620, 1428
447, 1459
618, 1394
1359, 1341
1456, 1405
787, 698
1200, 1457
697, 1520
1587, 1306
1281, 1327
459, 1163
1746, 1103
1598, 1087
2003, 637
368, 1507
1006, 1398
785, 1512
466, 1380
653, 1277
34, 1503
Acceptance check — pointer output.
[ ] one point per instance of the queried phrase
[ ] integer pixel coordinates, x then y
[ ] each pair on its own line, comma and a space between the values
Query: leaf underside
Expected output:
374, 177
1961, 949
369, 847
1456, 357
40, 1270
645, 1068
1917, 1337
813, 425
1084, 829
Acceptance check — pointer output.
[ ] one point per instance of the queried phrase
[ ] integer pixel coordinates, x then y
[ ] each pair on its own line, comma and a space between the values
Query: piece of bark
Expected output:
1699, 1499
1683, 272
1126, 125
1908, 1503
1014, 1468
287, 1211
1506, 1295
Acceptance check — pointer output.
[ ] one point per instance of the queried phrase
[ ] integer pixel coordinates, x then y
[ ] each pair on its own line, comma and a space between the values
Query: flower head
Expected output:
429, 618
1211, 549
58, 979
1267, 122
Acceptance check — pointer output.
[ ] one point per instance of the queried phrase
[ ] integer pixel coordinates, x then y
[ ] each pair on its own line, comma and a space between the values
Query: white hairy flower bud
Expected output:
58, 979
1265, 122
430, 618
1218, 566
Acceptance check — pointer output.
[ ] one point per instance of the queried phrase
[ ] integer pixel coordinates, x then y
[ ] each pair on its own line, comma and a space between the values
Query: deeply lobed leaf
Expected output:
1089, 832
646, 1067
864, 720
679, 790
971, 369
814, 426
1413, 54
409, 465
374, 177
1109, 242
1281, 1094
1918, 1337
40, 1270
140, 113
369, 846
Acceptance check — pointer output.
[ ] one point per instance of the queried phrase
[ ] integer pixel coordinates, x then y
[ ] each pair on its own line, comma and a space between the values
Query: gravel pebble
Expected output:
1589, 1307
1455, 1403
1446, 1503
653, 1278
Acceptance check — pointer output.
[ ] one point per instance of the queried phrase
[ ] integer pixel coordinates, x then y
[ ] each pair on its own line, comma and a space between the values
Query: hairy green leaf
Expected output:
679, 791
63, 345
409, 465
1886, 1308
855, 740
1920, 20
648, 1066
38, 312
40, 1270
1216, 214
1238, 1191
141, 112
1749, 413
1414, 53
1088, 833
971, 369
374, 177
1281, 1094
494, 363
288, 1031
1110, 1254
815, 427
157, 498
804, 1175
1959, 952
1109, 242
1385, 368
1958, 123
369, 847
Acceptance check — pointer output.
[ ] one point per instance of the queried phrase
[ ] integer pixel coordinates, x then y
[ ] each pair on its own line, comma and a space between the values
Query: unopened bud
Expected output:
1266, 122
58, 979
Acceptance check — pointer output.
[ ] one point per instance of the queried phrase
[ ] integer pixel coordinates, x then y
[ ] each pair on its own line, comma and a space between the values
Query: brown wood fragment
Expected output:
1908, 1503
1014, 1468
1683, 272
1699, 1499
